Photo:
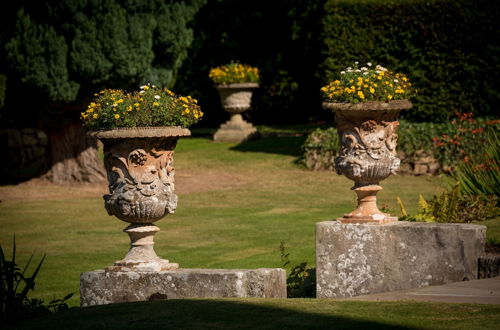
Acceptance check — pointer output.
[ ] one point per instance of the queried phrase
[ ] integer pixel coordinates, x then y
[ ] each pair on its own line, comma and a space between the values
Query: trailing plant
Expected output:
367, 83
150, 106
301, 281
15, 285
453, 206
234, 73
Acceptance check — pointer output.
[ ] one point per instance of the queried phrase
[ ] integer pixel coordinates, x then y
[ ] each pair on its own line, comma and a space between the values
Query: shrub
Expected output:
453, 206
15, 285
450, 143
481, 176
151, 106
233, 73
367, 83
301, 282
450, 48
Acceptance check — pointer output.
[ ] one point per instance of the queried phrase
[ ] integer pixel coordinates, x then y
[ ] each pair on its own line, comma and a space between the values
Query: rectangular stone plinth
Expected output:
101, 287
358, 259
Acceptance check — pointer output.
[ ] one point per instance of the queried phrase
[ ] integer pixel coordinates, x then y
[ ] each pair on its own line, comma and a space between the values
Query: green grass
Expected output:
271, 199
273, 314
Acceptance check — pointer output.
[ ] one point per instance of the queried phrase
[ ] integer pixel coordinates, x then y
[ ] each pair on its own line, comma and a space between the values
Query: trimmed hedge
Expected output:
448, 48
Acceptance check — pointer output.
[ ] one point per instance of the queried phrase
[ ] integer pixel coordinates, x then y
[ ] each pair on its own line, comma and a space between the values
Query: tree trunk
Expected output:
73, 156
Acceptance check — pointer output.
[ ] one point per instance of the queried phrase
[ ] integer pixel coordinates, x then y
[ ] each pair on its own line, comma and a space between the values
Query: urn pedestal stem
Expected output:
367, 210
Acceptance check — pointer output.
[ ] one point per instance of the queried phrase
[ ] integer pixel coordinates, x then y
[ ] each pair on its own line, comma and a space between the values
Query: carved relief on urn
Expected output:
139, 165
368, 140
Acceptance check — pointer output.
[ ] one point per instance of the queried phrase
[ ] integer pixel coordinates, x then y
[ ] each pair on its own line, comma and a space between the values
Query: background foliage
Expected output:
63, 51
448, 48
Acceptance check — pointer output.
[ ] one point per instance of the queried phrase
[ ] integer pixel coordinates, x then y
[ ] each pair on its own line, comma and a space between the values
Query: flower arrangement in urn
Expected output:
235, 83
367, 101
139, 131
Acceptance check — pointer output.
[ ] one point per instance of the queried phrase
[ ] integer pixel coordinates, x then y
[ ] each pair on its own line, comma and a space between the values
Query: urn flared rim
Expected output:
371, 105
245, 85
140, 132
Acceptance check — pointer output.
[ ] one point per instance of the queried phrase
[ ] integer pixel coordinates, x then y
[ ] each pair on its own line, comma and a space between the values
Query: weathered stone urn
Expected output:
368, 139
139, 166
235, 99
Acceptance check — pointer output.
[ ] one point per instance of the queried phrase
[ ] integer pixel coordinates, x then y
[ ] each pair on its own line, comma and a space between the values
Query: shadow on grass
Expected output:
197, 314
285, 145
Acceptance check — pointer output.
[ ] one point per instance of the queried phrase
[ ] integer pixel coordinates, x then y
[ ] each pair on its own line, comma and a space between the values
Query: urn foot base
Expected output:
235, 130
378, 219
151, 266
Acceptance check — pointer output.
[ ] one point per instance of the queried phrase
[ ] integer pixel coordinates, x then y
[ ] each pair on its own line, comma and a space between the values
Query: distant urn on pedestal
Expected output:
235, 83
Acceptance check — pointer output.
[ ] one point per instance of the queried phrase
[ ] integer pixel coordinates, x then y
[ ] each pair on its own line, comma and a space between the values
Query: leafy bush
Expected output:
367, 83
449, 48
233, 73
15, 285
151, 106
453, 206
450, 143
301, 282
480, 175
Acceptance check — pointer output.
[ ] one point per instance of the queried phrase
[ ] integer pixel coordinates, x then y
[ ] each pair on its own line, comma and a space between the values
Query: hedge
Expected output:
450, 49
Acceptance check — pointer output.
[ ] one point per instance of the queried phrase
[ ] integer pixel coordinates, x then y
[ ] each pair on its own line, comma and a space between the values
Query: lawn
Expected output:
236, 204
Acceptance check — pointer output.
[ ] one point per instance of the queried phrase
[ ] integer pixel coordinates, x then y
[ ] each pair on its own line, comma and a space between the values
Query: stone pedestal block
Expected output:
101, 287
356, 259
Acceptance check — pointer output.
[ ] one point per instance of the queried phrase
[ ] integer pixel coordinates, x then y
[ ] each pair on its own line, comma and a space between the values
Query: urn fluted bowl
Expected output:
367, 155
139, 164
236, 98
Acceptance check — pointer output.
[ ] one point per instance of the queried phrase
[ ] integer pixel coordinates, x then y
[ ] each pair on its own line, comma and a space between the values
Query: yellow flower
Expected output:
119, 101
389, 97
156, 104
95, 116
361, 95
136, 104
117, 116
372, 90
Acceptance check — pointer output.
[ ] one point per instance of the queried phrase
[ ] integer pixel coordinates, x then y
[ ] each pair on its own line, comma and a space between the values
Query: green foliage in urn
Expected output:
150, 106
367, 83
233, 73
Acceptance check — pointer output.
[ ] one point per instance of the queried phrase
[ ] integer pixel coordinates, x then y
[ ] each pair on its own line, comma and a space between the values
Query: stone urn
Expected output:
139, 166
235, 99
368, 139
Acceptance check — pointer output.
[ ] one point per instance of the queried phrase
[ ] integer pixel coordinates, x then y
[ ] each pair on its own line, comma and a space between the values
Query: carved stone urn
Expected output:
235, 99
139, 166
368, 139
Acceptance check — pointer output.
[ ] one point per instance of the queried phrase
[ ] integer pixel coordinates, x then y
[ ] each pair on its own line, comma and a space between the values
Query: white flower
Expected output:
157, 97
141, 92
365, 73
342, 72
143, 86
396, 81
356, 62
357, 70
364, 68
378, 71
369, 64
153, 86
349, 68
114, 105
